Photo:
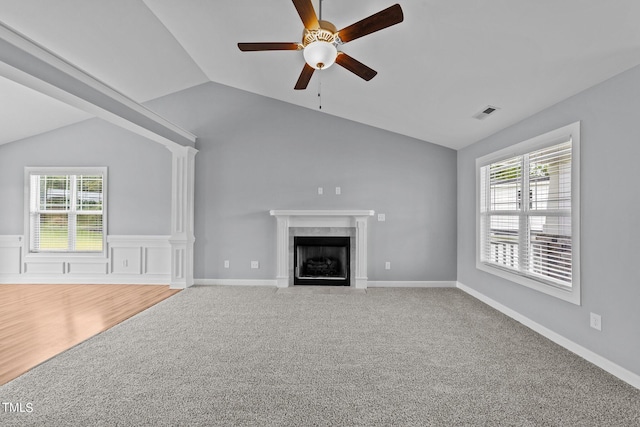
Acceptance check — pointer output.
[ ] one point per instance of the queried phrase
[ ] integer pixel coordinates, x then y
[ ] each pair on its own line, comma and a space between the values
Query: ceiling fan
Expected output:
320, 41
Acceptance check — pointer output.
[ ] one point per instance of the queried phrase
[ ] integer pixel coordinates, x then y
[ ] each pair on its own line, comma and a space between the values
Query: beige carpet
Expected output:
257, 356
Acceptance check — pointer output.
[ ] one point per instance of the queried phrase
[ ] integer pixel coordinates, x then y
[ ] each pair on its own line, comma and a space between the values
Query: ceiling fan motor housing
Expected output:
326, 33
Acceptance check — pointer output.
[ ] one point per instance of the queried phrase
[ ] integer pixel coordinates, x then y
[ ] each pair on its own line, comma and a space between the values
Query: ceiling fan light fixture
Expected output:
320, 54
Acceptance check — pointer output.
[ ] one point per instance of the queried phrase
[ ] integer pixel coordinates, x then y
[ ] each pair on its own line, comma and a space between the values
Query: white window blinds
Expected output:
66, 212
525, 214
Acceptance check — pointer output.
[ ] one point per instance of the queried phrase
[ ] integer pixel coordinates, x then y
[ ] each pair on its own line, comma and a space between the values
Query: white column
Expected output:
182, 216
361, 252
282, 274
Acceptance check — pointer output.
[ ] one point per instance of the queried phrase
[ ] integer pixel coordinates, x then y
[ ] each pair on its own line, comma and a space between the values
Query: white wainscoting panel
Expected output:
130, 259
10, 254
87, 268
50, 267
157, 260
126, 260
141, 258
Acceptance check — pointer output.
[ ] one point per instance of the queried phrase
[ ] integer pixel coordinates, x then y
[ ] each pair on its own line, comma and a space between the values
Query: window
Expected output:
66, 209
528, 213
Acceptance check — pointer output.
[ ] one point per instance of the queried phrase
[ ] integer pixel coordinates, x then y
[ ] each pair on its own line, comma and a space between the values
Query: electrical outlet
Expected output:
338, 191
382, 217
255, 264
596, 321
387, 265
320, 191
226, 263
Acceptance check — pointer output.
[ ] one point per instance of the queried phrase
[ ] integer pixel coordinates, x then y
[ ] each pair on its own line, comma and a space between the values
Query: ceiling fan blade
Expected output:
253, 47
376, 22
307, 14
356, 67
304, 78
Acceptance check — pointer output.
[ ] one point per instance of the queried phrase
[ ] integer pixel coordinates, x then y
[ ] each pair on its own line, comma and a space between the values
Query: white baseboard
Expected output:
614, 369
20, 279
411, 284
236, 282
370, 284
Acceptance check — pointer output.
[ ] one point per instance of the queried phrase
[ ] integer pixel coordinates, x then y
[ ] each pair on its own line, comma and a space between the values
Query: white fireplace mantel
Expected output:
322, 218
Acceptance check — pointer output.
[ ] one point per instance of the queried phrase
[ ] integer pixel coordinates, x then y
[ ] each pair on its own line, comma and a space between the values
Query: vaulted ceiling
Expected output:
446, 62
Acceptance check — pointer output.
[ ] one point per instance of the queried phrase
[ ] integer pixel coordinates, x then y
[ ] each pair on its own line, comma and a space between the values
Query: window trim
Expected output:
553, 137
56, 170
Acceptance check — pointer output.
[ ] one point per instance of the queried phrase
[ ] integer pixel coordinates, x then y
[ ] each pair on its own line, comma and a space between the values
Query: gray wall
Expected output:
139, 180
610, 237
258, 154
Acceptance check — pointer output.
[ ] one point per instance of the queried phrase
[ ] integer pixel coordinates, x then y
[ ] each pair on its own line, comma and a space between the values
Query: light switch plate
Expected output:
255, 264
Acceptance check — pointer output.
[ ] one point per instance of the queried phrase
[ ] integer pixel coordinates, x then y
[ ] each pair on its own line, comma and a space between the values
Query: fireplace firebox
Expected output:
321, 261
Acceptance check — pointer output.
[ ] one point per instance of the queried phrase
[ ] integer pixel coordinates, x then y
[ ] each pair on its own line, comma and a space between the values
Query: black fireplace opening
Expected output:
321, 261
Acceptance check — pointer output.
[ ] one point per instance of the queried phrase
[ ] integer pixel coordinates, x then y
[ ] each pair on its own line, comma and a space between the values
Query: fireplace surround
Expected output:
319, 223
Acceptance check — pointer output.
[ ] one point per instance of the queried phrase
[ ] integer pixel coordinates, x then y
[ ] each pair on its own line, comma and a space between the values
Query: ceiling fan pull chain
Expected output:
320, 88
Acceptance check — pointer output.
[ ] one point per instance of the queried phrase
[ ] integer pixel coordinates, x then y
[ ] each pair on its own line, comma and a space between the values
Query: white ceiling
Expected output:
25, 112
446, 61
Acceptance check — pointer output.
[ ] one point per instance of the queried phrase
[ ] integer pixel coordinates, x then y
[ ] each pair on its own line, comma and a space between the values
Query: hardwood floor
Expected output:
39, 321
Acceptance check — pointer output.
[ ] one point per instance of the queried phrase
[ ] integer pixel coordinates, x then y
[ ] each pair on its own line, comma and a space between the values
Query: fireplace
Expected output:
322, 223
321, 261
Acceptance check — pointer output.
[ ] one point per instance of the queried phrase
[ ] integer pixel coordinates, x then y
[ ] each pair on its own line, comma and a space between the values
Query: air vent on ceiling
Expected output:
486, 112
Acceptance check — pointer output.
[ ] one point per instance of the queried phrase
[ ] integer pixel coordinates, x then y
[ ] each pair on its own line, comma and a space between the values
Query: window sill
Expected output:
570, 295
